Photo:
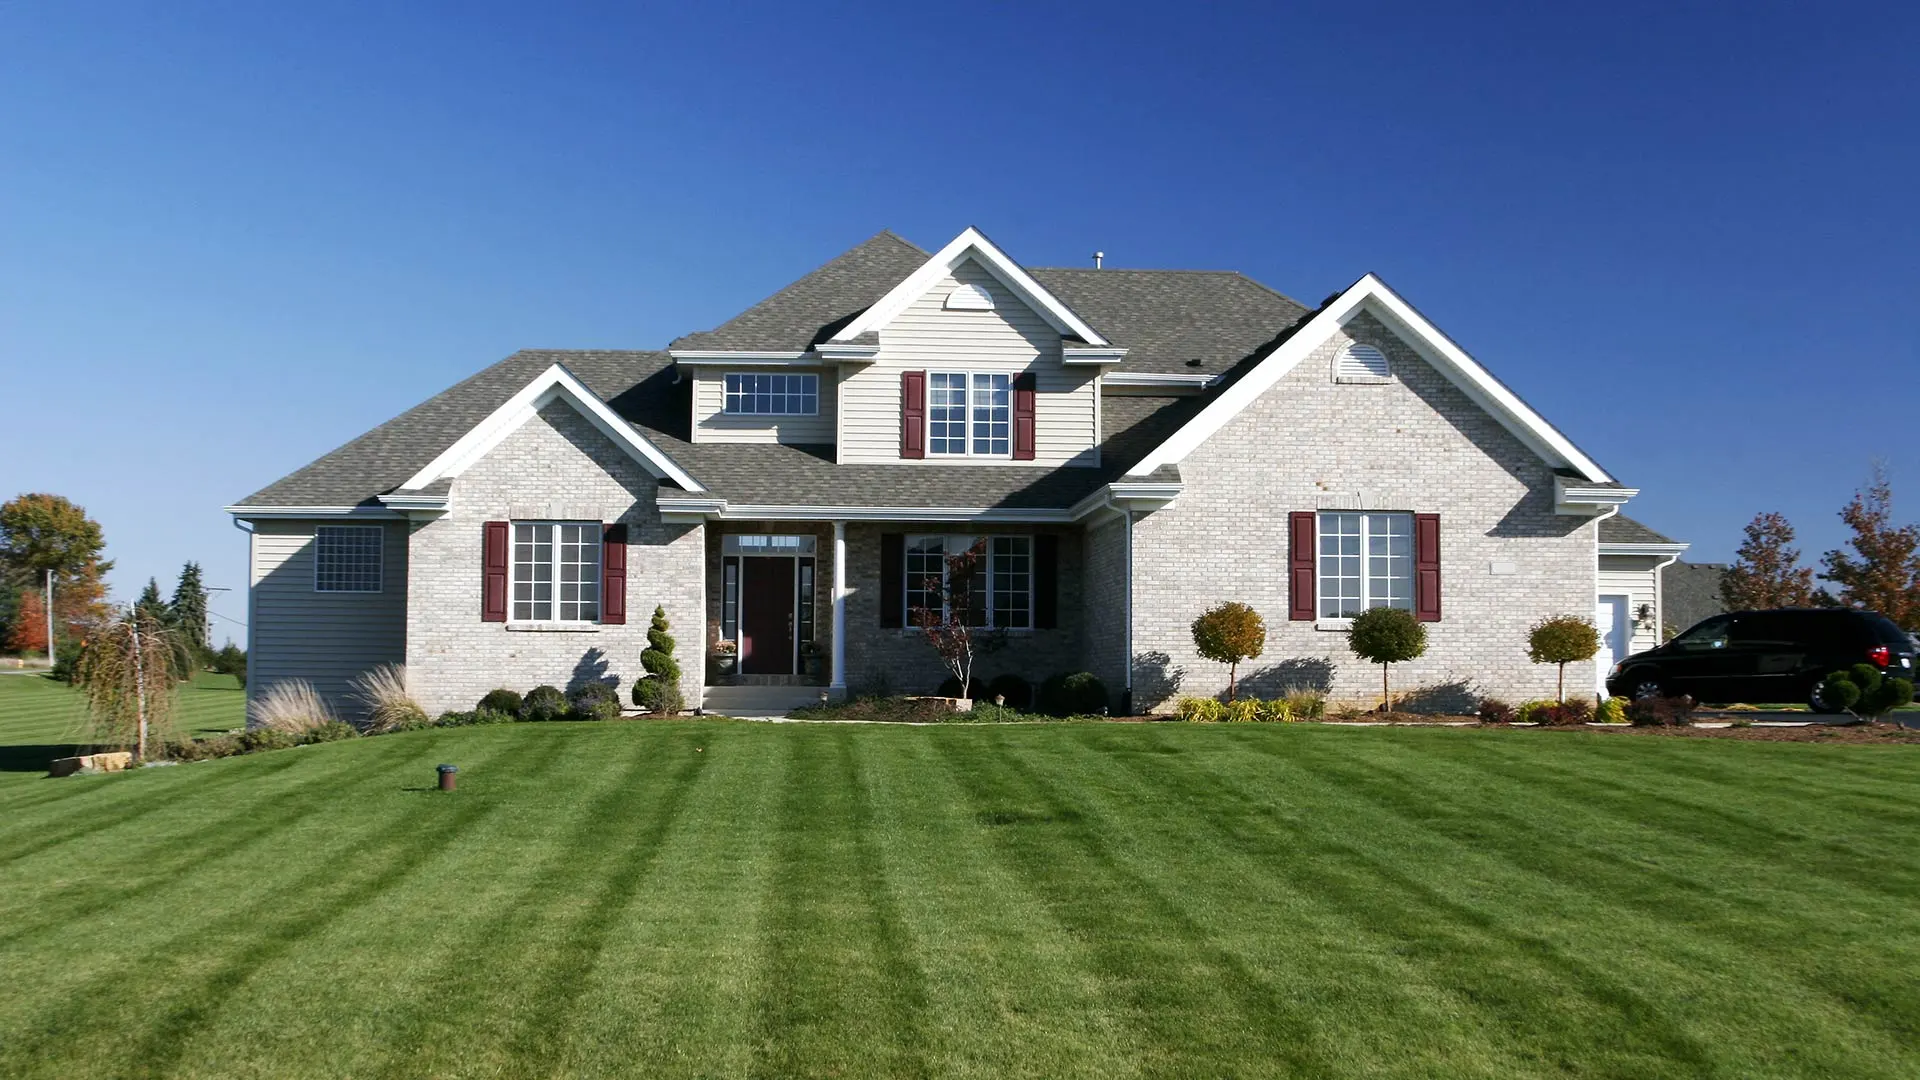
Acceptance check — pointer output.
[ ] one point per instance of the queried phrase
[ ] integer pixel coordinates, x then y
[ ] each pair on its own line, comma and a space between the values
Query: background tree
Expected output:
659, 692
1228, 633
29, 630
1386, 636
1562, 639
151, 603
1766, 572
41, 532
188, 610
1882, 573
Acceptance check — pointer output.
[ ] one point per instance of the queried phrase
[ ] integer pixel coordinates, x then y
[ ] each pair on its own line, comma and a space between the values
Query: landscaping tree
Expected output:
1386, 636
950, 622
1562, 639
151, 603
1228, 633
1866, 692
189, 610
659, 692
125, 670
1766, 572
1883, 572
29, 630
40, 532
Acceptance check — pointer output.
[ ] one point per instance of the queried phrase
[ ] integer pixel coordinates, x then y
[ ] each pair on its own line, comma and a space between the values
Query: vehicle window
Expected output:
1711, 634
1770, 628
1886, 630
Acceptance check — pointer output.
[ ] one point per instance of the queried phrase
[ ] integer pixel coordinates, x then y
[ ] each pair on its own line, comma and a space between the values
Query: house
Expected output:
1123, 448
1632, 591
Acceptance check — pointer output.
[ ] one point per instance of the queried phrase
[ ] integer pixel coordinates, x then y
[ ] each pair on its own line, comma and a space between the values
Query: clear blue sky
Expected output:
233, 236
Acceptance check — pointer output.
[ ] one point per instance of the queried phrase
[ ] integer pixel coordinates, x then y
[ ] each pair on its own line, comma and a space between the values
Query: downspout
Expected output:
1660, 598
247, 527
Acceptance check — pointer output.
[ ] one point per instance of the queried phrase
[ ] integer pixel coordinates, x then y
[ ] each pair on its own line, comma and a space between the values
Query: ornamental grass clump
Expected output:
1195, 710
388, 695
1386, 636
1228, 633
1562, 639
291, 706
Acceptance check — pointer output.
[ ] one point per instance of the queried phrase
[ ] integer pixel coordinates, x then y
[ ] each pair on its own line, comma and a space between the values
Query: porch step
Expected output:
760, 700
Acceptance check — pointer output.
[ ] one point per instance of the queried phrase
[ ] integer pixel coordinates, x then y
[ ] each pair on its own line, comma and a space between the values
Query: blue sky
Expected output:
233, 236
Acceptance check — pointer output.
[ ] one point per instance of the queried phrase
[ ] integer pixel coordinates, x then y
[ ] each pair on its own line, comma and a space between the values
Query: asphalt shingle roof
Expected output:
1166, 318
1621, 529
808, 311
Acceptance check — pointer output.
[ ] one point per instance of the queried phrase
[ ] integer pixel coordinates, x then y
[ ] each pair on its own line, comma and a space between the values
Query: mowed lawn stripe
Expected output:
166, 991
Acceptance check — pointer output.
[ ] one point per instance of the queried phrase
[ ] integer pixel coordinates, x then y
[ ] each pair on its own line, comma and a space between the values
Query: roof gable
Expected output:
1372, 295
807, 311
971, 245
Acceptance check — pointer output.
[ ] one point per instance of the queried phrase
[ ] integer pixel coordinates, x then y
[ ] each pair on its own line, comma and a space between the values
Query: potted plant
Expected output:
723, 658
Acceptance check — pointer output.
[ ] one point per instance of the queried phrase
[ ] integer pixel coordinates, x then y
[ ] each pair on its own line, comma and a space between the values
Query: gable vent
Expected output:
1361, 362
969, 298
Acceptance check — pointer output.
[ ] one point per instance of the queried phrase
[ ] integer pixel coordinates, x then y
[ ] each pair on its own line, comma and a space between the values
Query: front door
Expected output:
766, 616
1615, 632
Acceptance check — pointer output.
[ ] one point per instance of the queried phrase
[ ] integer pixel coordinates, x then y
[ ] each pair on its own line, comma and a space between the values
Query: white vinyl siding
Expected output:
1633, 576
325, 637
712, 423
929, 337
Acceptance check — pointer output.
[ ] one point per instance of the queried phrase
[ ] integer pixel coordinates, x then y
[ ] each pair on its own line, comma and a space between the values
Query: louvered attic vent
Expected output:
1361, 363
969, 298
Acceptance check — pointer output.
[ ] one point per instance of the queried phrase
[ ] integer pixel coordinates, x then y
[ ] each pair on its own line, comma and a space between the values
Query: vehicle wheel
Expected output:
1642, 685
1817, 698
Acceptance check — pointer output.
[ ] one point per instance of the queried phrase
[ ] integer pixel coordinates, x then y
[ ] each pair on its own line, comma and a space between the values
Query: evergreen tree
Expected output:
189, 608
150, 602
660, 690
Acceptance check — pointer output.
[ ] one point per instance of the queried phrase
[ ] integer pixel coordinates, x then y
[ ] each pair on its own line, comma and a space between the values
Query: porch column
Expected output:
838, 689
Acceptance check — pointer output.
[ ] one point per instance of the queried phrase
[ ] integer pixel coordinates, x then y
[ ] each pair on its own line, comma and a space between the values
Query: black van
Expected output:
1770, 656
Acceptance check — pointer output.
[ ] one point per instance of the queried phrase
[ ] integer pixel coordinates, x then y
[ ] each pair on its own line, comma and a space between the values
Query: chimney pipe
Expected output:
1097, 256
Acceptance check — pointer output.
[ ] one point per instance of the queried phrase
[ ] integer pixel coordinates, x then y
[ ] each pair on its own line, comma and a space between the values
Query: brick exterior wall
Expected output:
1415, 443
1103, 606
557, 466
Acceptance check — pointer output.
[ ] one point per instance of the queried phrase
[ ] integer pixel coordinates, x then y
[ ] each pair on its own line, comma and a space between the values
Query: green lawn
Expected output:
732, 899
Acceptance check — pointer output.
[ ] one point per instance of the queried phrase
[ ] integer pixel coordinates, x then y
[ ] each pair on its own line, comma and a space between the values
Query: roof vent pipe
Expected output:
1097, 256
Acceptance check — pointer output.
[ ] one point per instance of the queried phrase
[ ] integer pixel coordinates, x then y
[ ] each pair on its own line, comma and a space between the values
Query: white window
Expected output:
346, 558
1366, 561
754, 394
970, 414
556, 571
999, 593
1361, 363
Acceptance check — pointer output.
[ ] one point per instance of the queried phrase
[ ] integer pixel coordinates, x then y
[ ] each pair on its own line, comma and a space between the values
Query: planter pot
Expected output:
721, 668
814, 665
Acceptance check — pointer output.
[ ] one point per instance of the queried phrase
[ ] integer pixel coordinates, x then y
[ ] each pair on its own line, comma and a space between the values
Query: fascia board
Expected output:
726, 511
247, 513
744, 358
970, 244
1643, 549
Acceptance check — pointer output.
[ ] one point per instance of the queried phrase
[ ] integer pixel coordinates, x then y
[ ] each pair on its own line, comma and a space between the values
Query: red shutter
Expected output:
613, 575
1046, 581
913, 414
1023, 385
494, 562
1301, 540
893, 579
1426, 567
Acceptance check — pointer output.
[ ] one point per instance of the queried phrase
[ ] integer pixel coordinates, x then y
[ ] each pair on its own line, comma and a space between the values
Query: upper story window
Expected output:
346, 558
1361, 363
970, 414
1366, 561
755, 394
556, 571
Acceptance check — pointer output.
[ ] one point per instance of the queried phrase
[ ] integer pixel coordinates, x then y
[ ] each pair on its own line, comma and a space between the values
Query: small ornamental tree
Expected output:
125, 669
1229, 633
1562, 639
1386, 636
659, 692
1866, 692
954, 623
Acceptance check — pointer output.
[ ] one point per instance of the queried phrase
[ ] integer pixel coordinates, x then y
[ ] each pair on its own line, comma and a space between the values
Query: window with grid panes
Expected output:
556, 571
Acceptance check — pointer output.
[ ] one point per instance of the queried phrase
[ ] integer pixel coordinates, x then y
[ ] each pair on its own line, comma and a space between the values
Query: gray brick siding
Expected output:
1415, 443
556, 466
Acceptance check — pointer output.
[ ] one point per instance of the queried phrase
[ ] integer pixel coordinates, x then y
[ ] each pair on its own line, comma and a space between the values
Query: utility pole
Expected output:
210, 590
50, 617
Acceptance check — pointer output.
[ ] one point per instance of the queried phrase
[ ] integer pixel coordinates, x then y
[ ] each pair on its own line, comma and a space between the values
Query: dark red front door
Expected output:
766, 616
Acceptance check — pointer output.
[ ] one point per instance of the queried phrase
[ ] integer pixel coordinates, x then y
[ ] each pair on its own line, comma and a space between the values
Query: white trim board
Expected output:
554, 384
971, 244
1372, 295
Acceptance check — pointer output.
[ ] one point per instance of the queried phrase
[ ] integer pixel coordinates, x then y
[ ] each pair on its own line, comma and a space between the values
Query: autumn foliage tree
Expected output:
29, 630
1882, 571
1767, 572
1228, 633
41, 532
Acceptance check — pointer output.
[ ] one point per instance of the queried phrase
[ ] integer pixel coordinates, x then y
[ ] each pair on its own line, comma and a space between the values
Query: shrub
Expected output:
594, 701
291, 706
268, 739
231, 660
1562, 639
494, 716
1306, 704
1386, 636
331, 731
1530, 712
1274, 711
544, 703
1866, 692
976, 689
1244, 711
456, 718
1611, 711
501, 701
1564, 713
1078, 694
216, 746
659, 692
1016, 691
873, 686
1229, 633
1661, 712
387, 693
1200, 710
1494, 711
